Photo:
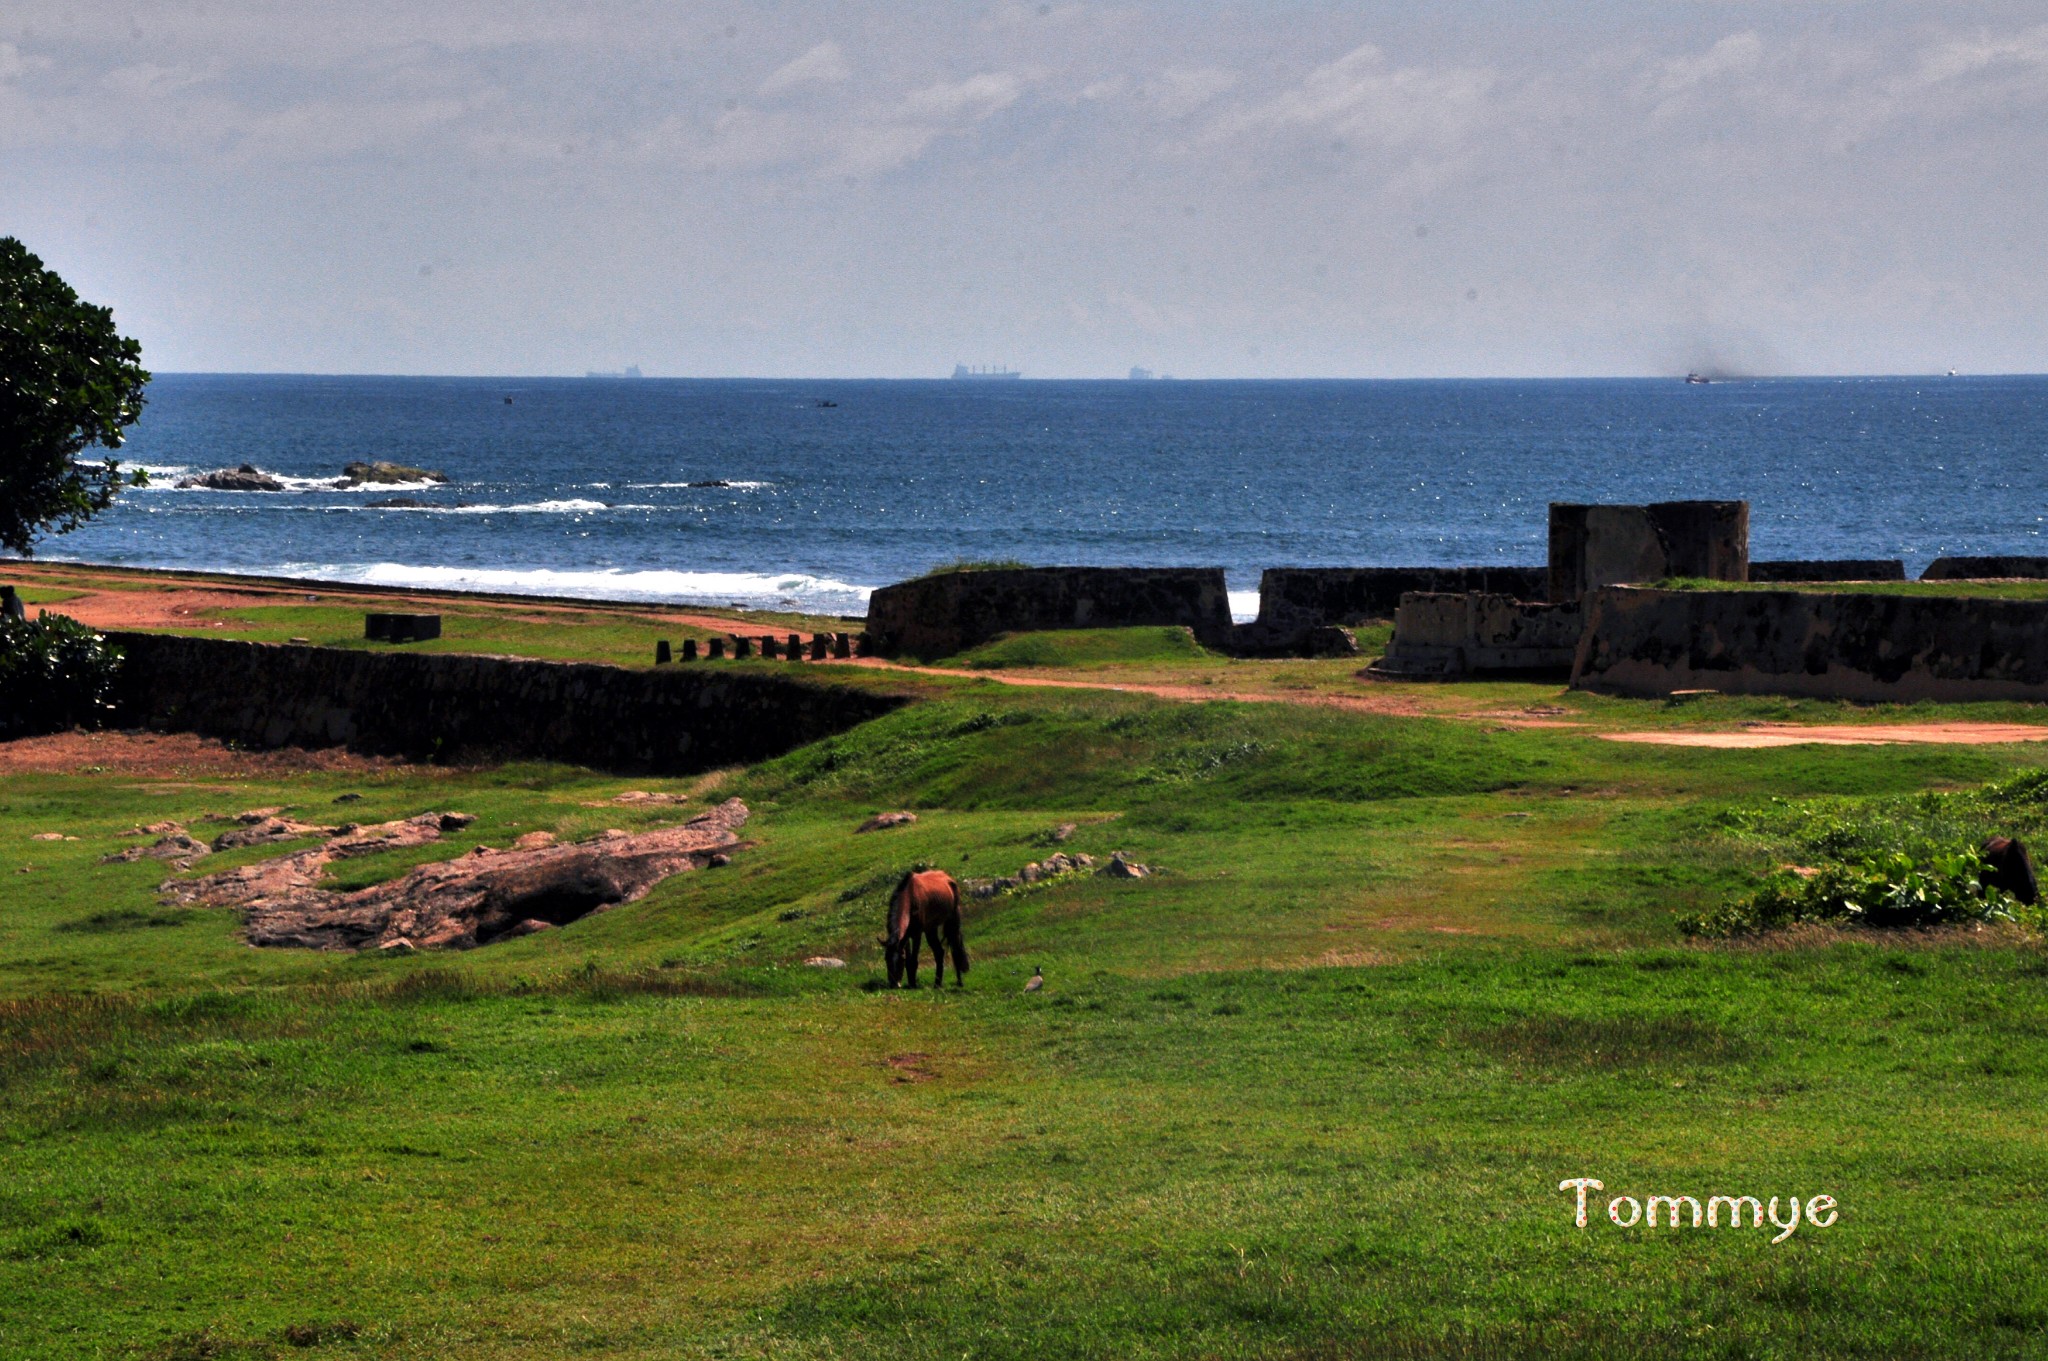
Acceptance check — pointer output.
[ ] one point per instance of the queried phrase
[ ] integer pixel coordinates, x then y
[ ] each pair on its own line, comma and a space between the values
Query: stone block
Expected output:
1593, 546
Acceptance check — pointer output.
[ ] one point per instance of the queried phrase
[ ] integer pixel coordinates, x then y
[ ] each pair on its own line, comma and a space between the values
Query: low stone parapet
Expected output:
671, 720
1480, 633
1828, 569
939, 615
1985, 569
1841, 645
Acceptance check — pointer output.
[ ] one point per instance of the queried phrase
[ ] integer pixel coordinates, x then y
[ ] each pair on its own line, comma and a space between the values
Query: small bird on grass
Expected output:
1037, 979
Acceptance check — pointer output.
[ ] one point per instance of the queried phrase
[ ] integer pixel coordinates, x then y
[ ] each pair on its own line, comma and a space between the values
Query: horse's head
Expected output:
898, 931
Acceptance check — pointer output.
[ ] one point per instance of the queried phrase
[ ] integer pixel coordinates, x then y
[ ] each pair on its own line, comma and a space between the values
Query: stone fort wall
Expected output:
939, 615
1859, 646
441, 706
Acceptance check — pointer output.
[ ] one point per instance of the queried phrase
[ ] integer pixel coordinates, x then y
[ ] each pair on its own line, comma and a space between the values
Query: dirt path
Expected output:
1843, 735
158, 606
164, 754
1398, 705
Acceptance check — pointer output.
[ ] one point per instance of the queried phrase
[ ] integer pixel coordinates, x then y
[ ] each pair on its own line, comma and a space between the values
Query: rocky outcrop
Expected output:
1850, 645
472, 900
447, 706
382, 473
248, 477
882, 821
939, 615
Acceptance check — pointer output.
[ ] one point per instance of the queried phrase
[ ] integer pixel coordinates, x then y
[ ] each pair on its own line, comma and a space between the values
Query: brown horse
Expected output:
926, 902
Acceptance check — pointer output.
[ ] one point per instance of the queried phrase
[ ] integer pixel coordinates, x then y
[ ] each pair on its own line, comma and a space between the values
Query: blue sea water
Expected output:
584, 486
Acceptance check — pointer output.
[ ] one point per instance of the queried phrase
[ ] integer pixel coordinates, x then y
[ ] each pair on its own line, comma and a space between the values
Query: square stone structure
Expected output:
1594, 546
1480, 633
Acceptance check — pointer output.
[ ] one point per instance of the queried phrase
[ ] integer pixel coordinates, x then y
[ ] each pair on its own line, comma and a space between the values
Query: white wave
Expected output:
703, 484
1244, 606
164, 478
712, 588
572, 506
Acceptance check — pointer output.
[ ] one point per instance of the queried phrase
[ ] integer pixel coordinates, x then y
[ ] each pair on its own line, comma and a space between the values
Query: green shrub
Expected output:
55, 673
1893, 890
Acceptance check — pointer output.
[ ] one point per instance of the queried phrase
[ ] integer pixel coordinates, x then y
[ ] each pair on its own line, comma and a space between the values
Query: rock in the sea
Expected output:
483, 896
248, 477
397, 503
380, 472
882, 820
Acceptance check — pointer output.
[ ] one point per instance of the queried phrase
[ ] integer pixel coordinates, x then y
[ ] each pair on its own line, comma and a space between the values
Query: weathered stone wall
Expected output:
1480, 633
1352, 595
1594, 546
937, 616
440, 706
1829, 569
1863, 646
1984, 569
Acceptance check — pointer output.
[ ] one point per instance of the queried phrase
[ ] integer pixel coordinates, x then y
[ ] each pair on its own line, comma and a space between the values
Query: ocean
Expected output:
810, 493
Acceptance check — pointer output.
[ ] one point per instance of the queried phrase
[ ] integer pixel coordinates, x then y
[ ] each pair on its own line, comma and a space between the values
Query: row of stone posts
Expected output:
793, 648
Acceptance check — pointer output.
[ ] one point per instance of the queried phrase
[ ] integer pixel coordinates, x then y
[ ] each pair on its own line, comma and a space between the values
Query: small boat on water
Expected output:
1697, 378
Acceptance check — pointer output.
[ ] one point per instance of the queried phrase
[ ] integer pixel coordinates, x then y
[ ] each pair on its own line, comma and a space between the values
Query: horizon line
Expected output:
592, 376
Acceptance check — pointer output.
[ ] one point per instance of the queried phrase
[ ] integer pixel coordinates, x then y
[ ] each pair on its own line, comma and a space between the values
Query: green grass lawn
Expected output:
1307, 1092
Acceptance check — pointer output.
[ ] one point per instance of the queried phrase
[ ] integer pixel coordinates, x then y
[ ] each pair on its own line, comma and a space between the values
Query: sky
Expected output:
862, 189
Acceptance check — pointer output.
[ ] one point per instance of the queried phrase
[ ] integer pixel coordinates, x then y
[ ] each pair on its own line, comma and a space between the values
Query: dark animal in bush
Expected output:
2007, 866
927, 903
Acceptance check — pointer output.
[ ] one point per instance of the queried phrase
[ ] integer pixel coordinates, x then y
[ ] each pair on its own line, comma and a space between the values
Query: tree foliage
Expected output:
55, 673
68, 381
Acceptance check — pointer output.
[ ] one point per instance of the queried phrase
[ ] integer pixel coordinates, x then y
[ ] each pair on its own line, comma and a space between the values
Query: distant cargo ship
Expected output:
961, 371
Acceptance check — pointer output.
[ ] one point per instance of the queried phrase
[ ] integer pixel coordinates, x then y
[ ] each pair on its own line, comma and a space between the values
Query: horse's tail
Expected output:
953, 940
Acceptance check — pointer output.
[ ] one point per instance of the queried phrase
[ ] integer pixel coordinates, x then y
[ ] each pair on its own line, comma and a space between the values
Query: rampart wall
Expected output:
670, 720
1862, 645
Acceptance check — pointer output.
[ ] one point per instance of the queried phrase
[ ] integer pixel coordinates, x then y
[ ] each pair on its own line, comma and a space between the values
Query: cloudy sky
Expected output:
862, 188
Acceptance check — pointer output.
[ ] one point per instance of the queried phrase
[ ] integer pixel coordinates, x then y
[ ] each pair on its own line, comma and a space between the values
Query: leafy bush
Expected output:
1893, 890
54, 674
1908, 861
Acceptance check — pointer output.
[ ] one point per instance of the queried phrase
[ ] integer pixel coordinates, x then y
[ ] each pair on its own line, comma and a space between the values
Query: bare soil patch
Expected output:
1843, 735
1397, 705
168, 754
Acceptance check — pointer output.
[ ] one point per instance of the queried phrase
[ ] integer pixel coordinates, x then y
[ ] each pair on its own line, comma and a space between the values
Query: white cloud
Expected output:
824, 64
14, 63
1362, 97
147, 80
2025, 52
973, 98
1738, 53
1179, 91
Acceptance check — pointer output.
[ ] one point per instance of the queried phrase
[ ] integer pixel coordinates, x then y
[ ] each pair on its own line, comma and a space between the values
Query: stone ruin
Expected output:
1481, 633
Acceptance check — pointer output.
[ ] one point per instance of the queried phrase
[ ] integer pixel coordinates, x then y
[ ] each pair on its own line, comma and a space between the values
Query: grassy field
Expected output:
1307, 1092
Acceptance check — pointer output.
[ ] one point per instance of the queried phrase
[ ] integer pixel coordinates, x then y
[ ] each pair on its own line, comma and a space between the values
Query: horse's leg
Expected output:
931, 934
959, 950
911, 948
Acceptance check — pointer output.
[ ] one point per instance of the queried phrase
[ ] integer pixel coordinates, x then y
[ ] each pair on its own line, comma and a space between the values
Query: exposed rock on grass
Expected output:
881, 821
484, 896
173, 844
